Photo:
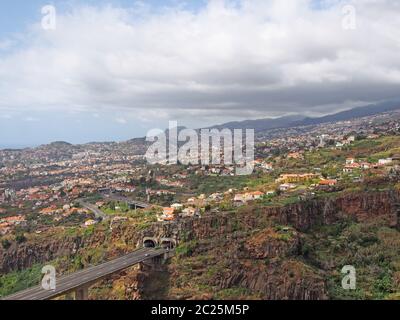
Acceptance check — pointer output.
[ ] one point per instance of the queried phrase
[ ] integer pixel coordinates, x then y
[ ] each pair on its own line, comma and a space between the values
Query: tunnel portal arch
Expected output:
150, 242
168, 243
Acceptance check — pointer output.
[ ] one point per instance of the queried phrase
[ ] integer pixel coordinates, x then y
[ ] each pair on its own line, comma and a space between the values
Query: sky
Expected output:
112, 70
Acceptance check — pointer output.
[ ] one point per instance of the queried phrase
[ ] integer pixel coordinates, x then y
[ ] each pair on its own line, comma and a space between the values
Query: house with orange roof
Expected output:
294, 177
351, 167
328, 182
4, 228
168, 211
248, 196
14, 219
167, 215
295, 155
48, 211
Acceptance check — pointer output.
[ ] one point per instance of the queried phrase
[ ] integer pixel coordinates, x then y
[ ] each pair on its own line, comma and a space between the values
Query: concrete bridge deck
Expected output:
83, 279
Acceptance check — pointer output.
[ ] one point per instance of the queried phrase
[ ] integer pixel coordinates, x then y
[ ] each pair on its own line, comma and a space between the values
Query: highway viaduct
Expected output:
79, 282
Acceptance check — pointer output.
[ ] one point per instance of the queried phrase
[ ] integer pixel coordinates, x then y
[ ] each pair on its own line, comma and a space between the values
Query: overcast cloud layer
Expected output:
228, 60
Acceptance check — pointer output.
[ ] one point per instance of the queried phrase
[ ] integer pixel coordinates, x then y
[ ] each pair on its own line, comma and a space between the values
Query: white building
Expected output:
90, 222
177, 206
384, 162
287, 186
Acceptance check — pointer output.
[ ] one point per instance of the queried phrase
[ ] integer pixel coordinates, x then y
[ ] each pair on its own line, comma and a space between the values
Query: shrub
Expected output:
20, 238
5, 243
186, 249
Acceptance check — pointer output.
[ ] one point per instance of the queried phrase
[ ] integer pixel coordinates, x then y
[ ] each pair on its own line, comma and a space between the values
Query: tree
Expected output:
20, 238
5, 243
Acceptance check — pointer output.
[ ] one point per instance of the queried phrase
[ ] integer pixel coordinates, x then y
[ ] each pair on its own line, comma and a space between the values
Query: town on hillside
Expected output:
77, 186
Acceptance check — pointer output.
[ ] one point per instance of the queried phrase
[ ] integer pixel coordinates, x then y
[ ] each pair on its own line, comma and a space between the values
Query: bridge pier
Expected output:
82, 293
168, 255
157, 263
69, 296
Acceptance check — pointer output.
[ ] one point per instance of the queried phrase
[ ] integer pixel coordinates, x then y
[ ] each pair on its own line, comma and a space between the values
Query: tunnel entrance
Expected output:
168, 243
149, 243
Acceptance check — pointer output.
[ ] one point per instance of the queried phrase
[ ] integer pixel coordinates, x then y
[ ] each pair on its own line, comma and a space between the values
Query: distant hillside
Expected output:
298, 120
60, 144
264, 124
57, 145
359, 112
260, 124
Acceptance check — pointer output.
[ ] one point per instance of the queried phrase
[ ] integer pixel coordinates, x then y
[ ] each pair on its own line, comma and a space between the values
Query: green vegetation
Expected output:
185, 249
372, 248
20, 238
5, 243
20, 280
208, 185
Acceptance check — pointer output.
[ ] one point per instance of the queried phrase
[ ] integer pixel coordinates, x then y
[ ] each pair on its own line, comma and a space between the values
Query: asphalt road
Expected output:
69, 283
97, 212
121, 198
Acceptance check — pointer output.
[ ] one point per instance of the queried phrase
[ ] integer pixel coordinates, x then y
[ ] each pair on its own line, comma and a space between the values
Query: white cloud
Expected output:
6, 44
121, 120
31, 119
255, 58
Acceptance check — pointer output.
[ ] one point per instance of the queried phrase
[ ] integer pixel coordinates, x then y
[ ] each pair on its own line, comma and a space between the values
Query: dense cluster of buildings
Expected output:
48, 179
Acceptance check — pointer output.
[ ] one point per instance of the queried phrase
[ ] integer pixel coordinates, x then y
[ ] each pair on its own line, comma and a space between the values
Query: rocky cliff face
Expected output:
22, 256
259, 252
302, 216
251, 251
360, 206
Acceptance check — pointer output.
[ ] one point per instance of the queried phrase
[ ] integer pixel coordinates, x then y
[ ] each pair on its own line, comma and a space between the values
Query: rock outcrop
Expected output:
264, 259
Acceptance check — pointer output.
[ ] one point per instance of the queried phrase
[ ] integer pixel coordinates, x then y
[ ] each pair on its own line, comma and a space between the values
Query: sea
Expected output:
14, 146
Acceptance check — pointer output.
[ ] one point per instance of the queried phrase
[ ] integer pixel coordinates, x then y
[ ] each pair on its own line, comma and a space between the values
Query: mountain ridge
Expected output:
298, 120
265, 124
